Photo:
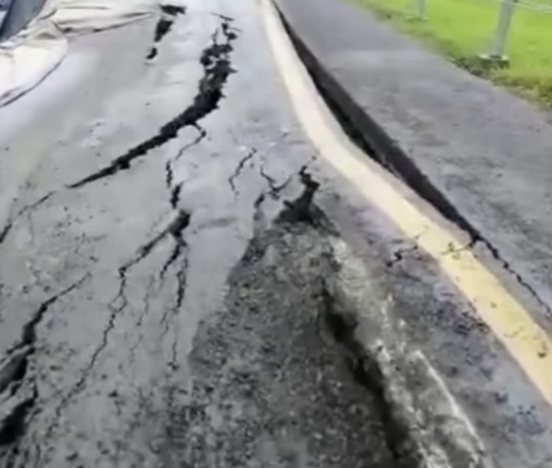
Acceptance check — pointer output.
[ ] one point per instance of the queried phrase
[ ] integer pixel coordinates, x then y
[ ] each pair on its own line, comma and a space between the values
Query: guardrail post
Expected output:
420, 8
498, 46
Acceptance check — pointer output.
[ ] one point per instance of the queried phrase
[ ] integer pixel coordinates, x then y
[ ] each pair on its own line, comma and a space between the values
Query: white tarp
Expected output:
26, 59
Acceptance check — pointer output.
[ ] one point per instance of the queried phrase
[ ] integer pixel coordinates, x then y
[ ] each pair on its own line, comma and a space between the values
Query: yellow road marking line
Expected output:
526, 341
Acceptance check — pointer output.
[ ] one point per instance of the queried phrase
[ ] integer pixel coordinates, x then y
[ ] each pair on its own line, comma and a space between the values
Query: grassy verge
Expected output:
463, 29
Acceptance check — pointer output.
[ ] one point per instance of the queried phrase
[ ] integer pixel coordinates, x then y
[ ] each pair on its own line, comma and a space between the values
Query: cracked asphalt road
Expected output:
122, 241
166, 246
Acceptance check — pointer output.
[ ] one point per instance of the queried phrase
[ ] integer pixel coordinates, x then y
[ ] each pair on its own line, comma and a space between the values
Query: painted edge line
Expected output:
509, 321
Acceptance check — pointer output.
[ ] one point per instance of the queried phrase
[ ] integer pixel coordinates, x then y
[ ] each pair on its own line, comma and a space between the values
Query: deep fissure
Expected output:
302, 208
164, 26
217, 68
367, 373
15, 367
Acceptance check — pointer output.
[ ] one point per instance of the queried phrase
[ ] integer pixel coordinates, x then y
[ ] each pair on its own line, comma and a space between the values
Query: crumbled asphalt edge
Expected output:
217, 68
14, 374
164, 26
367, 372
369, 323
378, 145
299, 217
414, 435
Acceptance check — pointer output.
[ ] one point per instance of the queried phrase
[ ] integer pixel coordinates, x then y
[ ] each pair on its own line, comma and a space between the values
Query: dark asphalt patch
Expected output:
270, 380
275, 376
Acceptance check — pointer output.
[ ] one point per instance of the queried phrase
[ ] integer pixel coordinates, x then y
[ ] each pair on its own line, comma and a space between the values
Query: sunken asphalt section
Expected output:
478, 154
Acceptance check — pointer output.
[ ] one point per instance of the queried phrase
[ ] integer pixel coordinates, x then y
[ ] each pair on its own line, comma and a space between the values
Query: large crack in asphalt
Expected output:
366, 372
176, 231
164, 26
378, 145
259, 397
14, 424
176, 188
301, 209
216, 63
14, 369
217, 68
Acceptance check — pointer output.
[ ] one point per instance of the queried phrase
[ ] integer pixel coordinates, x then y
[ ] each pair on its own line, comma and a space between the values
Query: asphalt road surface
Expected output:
168, 273
131, 211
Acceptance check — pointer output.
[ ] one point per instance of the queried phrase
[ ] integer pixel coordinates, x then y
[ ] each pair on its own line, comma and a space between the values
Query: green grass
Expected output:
463, 29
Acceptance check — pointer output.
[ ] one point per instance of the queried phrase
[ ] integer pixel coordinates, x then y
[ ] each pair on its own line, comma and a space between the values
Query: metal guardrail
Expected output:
498, 45
535, 6
497, 48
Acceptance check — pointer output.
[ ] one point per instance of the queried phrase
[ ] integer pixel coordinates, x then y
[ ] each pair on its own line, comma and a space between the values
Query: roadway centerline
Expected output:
509, 321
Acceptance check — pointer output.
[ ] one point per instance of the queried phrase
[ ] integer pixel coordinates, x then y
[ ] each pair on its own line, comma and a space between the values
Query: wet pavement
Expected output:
128, 217
170, 259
